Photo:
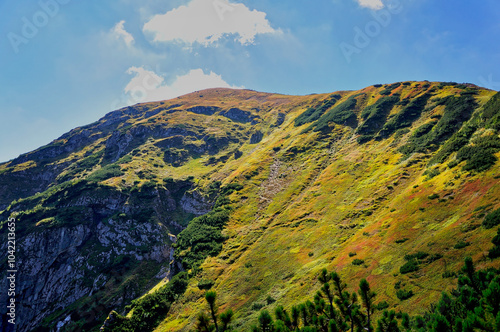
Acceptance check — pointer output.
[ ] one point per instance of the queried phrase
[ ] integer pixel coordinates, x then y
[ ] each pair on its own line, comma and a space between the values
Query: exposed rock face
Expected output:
239, 115
49, 273
256, 137
28, 182
195, 203
59, 265
280, 119
206, 110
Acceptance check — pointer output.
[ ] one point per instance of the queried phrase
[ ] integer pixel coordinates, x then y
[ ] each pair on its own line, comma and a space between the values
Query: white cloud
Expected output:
119, 32
207, 21
372, 4
146, 85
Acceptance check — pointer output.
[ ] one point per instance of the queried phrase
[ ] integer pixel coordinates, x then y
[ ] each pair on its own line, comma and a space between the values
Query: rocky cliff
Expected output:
96, 247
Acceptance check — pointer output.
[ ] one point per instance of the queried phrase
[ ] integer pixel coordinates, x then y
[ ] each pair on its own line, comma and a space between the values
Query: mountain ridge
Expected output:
328, 172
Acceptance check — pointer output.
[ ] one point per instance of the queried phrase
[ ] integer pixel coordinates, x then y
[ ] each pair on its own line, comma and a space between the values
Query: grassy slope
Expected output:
309, 198
298, 215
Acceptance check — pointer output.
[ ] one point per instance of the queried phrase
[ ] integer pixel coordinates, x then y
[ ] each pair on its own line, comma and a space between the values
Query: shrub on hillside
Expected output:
305, 117
419, 255
408, 267
495, 251
357, 261
107, 172
205, 284
404, 294
406, 116
491, 112
433, 196
388, 89
341, 114
413, 262
148, 311
314, 113
481, 155
492, 219
461, 244
375, 115
382, 305
429, 137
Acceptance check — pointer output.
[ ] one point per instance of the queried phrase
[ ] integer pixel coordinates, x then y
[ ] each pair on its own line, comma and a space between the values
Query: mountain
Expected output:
251, 194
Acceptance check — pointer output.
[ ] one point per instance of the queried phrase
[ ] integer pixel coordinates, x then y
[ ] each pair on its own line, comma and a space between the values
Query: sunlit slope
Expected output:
391, 182
351, 192
106, 200
186, 130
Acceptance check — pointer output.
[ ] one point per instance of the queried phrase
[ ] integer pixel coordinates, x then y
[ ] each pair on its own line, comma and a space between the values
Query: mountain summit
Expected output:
251, 194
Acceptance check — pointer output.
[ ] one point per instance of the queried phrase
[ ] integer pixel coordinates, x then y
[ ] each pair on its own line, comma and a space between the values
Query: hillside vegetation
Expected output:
254, 194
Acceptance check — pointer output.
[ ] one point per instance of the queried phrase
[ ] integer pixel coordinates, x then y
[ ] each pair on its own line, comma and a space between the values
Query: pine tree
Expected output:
495, 251
210, 296
203, 320
405, 321
491, 297
225, 319
440, 324
325, 278
283, 316
265, 322
367, 297
295, 316
388, 322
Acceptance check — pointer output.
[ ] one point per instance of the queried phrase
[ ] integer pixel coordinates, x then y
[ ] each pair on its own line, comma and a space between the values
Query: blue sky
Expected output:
66, 63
